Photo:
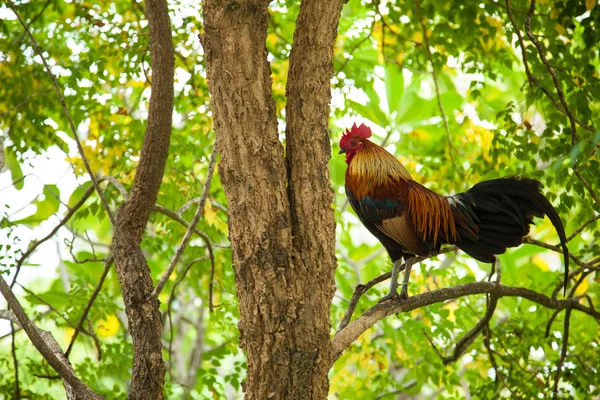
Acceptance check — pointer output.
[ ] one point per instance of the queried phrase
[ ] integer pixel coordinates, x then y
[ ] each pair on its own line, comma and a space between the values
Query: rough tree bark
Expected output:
281, 219
143, 315
308, 152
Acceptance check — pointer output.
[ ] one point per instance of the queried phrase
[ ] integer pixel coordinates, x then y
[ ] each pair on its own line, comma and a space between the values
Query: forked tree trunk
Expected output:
282, 229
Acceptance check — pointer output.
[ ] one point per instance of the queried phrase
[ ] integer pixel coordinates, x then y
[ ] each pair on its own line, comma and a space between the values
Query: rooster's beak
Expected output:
342, 151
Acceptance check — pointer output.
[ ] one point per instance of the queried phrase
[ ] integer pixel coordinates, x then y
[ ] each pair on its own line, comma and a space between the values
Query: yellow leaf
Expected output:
69, 334
213, 219
535, 139
589, 4
540, 263
400, 57
163, 297
272, 39
418, 37
582, 288
420, 134
108, 327
560, 29
451, 307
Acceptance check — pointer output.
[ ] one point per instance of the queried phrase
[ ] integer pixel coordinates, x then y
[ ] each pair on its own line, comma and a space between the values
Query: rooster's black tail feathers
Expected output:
498, 214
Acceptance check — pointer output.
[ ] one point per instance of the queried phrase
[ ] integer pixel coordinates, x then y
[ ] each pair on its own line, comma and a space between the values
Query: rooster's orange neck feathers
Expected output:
374, 166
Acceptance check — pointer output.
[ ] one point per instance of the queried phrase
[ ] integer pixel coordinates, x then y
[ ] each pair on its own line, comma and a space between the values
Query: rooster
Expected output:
410, 220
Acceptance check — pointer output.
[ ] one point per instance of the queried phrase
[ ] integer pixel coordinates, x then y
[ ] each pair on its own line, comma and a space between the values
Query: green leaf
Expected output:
44, 208
394, 86
77, 195
13, 166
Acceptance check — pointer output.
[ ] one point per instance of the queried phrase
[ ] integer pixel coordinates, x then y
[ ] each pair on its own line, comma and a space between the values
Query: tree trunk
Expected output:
145, 325
308, 152
282, 229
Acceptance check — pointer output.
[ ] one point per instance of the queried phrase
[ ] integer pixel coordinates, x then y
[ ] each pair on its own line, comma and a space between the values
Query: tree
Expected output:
408, 61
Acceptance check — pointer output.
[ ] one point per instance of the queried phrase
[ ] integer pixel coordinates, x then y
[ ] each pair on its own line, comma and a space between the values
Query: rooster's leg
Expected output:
393, 293
408, 265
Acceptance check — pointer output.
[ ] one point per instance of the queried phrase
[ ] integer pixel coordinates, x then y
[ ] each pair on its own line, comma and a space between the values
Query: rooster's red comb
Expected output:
361, 131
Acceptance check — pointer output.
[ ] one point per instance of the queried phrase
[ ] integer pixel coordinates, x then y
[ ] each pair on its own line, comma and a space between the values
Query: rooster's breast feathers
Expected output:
385, 198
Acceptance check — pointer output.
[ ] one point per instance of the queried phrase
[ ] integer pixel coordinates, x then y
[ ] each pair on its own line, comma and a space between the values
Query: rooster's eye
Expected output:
353, 142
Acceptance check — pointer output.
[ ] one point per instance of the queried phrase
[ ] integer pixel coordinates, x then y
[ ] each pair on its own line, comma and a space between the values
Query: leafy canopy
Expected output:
443, 86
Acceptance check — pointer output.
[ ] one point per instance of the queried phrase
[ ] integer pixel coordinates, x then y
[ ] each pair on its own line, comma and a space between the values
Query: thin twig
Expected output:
550, 321
22, 103
433, 346
70, 244
13, 350
391, 29
561, 96
486, 341
470, 336
117, 185
195, 360
188, 234
550, 68
67, 114
356, 46
437, 87
211, 280
582, 227
187, 205
530, 77
176, 217
586, 184
37, 243
62, 316
563, 352
90, 303
576, 259
170, 303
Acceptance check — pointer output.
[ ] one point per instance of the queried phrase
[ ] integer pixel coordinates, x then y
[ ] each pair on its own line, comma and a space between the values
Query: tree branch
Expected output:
550, 68
362, 289
90, 303
561, 96
531, 78
346, 336
170, 303
470, 336
37, 243
563, 351
13, 350
46, 345
188, 234
209, 245
582, 227
586, 184
145, 325
488, 346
